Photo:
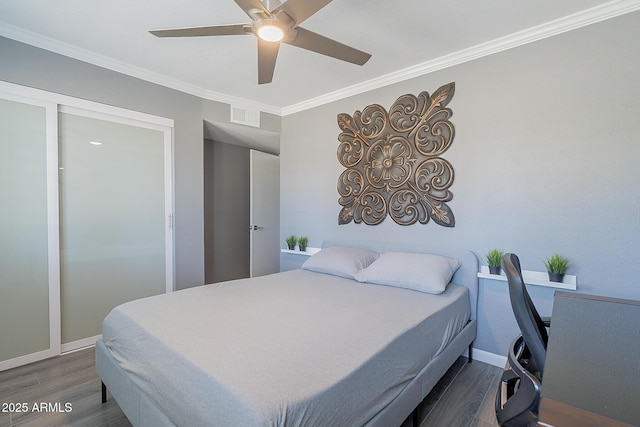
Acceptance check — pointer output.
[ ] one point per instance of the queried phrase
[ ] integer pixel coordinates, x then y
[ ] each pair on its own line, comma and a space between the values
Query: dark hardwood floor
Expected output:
66, 392
464, 397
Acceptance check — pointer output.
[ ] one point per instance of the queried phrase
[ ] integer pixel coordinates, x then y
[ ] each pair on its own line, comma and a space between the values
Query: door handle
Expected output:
255, 227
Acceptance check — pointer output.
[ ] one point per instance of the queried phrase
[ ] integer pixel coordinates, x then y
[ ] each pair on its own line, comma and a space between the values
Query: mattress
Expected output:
293, 348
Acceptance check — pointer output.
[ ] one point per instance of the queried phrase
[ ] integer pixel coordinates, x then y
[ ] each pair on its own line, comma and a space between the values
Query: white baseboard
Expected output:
26, 359
489, 358
80, 344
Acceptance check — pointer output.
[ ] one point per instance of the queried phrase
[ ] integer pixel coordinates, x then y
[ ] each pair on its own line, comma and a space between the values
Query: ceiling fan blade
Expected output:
216, 30
326, 46
300, 10
267, 55
251, 7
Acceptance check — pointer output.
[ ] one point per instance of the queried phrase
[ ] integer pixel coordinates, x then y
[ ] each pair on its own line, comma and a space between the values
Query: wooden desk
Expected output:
557, 414
592, 370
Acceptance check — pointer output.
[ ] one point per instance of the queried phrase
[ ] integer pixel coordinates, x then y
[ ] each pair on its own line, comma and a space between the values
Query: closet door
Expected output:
29, 299
115, 237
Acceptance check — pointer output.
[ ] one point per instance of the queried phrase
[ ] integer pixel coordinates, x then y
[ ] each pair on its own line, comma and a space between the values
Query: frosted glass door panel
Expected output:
24, 275
112, 213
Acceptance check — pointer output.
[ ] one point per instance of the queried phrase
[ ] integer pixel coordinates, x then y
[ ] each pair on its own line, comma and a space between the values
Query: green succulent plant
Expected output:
556, 264
291, 241
302, 241
494, 257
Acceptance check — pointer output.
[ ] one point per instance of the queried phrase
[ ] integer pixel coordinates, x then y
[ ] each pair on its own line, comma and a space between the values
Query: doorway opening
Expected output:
228, 226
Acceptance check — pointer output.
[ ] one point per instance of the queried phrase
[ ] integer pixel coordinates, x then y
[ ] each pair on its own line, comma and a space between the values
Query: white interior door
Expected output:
265, 213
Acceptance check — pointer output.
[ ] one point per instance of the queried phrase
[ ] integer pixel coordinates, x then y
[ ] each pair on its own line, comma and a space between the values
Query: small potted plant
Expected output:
302, 243
556, 267
494, 259
291, 242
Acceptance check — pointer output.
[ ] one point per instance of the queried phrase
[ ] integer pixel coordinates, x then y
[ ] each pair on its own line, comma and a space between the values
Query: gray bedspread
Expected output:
294, 348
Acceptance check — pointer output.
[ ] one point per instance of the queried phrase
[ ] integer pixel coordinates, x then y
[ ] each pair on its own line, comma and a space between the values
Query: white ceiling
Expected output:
405, 38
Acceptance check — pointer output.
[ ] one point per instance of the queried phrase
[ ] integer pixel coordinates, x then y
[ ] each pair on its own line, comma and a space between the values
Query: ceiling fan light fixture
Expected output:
270, 32
274, 22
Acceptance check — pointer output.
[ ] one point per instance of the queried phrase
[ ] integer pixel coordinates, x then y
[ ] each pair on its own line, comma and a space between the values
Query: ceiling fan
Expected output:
273, 23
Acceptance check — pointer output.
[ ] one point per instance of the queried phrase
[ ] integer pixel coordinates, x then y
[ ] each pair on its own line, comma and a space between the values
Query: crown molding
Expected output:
571, 22
562, 25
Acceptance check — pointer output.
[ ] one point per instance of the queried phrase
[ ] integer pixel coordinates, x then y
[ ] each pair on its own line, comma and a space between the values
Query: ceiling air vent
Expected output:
244, 116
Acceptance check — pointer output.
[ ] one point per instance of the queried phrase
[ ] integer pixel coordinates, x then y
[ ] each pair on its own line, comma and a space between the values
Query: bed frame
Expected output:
142, 411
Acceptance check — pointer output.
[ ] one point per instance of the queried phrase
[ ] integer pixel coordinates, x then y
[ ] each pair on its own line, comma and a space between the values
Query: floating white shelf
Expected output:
308, 252
537, 278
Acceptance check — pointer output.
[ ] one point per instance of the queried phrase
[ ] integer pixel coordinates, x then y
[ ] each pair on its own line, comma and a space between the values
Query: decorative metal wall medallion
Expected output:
393, 164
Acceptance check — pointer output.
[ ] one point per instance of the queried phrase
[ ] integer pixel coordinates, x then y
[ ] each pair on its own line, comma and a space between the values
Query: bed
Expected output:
357, 337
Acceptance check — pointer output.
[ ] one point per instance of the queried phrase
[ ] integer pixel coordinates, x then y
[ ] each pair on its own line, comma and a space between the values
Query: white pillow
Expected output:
340, 261
420, 272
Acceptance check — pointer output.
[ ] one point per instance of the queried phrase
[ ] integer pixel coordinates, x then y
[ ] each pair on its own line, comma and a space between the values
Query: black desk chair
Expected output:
518, 395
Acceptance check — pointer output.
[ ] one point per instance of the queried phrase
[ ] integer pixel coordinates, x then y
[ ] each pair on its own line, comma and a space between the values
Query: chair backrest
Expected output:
518, 394
531, 325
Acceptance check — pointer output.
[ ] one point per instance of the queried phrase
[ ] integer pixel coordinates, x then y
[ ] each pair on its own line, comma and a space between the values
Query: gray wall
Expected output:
226, 211
29, 66
545, 157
